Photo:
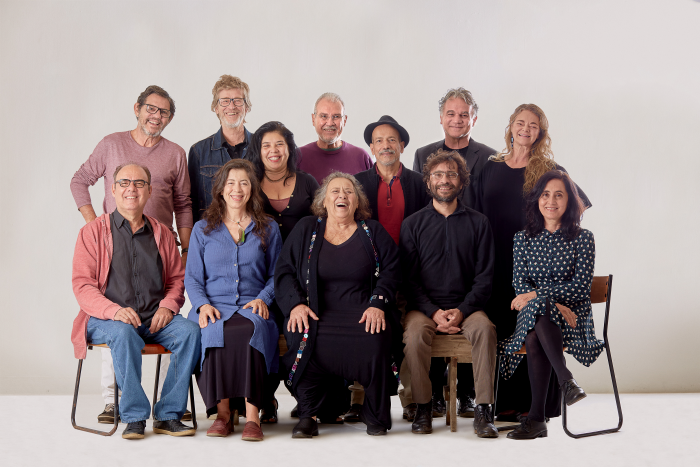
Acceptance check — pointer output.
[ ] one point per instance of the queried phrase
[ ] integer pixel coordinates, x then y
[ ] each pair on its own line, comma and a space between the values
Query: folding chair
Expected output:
149, 349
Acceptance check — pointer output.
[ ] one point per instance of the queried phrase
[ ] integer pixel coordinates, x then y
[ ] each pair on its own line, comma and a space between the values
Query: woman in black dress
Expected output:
552, 275
336, 280
499, 194
287, 195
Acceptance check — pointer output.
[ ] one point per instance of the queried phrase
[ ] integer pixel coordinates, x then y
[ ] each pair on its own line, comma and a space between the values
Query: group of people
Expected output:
358, 263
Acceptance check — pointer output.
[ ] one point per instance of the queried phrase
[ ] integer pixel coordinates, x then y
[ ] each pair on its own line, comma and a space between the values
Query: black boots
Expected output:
529, 429
483, 421
423, 423
572, 392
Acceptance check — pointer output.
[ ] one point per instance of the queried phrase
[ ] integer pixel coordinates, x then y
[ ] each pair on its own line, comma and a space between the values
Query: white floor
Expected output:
658, 430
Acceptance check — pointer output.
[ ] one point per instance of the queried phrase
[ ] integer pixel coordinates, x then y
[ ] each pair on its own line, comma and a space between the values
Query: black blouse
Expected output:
299, 203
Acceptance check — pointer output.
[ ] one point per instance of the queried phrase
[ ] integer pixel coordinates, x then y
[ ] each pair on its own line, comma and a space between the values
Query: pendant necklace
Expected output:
241, 232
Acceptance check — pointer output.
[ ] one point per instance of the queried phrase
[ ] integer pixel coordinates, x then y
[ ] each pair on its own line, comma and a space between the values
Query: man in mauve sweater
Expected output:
330, 153
447, 258
144, 145
129, 283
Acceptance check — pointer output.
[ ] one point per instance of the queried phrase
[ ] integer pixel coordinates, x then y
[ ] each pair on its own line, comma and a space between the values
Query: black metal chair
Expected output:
600, 293
149, 349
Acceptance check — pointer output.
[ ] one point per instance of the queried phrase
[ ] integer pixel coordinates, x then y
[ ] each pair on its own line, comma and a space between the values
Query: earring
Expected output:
511, 141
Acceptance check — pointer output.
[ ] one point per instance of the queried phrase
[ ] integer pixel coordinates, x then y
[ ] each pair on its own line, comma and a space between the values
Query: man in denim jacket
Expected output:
231, 103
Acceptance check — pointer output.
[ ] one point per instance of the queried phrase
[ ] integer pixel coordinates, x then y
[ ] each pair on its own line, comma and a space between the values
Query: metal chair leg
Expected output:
495, 399
155, 388
617, 401
75, 405
192, 409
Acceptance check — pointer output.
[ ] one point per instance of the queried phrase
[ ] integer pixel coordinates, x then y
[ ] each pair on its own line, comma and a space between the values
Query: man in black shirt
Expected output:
458, 115
447, 256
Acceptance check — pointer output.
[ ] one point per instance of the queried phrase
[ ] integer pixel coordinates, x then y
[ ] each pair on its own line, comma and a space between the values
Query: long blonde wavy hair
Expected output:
541, 158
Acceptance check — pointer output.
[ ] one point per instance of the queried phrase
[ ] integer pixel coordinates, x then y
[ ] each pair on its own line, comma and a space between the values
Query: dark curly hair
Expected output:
570, 221
440, 156
214, 215
255, 148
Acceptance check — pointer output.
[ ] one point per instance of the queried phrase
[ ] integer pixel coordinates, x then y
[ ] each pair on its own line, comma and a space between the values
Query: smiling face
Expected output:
525, 128
444, 189
341, 200
457, 118
237, 189
329, 121
386, 146
274, 151
553, 201
131, 200
152, 125
231, 116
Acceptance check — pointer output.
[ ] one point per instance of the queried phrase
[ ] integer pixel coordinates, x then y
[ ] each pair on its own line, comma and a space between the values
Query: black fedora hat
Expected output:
386, 120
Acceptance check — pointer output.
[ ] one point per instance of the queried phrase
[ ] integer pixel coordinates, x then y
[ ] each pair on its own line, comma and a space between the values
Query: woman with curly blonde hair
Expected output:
499, 193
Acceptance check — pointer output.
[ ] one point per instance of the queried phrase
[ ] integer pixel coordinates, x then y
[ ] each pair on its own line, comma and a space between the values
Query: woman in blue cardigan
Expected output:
230, 282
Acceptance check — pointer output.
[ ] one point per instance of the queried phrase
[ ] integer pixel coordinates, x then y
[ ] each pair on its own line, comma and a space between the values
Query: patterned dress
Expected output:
561, 271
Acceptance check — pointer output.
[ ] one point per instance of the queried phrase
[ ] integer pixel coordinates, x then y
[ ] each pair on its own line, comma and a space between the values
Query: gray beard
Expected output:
233, 125
155, 134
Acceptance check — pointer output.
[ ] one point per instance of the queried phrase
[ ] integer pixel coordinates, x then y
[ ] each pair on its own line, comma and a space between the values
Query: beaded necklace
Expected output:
302, 345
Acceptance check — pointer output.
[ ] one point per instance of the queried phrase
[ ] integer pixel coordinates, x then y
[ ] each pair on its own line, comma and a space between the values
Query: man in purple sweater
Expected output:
144, 145
330, 153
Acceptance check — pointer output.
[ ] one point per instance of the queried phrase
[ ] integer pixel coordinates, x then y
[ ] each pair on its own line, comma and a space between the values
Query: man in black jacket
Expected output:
447, 258
458, 115
394, 192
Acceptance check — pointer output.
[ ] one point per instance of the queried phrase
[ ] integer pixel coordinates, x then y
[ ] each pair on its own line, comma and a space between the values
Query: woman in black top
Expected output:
336, 280
287, 195
499, 194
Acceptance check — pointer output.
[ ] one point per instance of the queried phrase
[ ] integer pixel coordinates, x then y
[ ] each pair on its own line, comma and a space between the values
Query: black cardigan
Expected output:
415, 193
299, 204
290, 285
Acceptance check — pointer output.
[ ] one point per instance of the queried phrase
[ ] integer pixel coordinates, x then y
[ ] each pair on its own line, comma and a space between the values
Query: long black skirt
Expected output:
234, 371
344, 350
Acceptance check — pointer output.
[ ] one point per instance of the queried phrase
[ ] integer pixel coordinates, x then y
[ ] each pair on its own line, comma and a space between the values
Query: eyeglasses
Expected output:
151, 109
125, 182
237, 101
441, 175
333, 118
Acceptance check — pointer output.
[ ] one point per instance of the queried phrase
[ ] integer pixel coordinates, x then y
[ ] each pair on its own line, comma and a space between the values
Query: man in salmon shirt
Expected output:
129, 282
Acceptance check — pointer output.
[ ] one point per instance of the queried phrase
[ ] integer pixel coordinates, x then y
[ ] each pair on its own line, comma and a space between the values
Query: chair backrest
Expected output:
599, 289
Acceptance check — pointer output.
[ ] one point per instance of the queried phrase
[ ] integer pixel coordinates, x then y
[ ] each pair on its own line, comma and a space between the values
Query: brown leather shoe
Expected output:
252, 432
220, 428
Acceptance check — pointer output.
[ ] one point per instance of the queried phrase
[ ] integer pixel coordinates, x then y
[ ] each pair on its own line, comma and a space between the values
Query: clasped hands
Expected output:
448, 321
161, 319
299, 319
522, 300
209, 313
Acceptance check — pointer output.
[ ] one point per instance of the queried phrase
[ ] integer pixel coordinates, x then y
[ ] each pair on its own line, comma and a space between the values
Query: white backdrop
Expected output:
618, 81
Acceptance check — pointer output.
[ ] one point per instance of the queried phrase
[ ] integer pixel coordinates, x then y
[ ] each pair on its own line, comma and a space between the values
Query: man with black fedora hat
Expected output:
394, 192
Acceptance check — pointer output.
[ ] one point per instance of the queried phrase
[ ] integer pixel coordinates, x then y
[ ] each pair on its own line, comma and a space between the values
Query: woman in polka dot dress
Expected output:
553, 261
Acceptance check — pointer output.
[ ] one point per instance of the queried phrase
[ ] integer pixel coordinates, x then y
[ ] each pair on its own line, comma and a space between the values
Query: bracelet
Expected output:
184, 250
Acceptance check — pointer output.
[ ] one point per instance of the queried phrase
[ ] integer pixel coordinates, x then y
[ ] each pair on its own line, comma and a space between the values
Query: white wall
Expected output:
617, 79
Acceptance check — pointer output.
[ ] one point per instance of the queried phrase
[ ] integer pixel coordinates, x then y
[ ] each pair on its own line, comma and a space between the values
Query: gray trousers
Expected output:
419, 331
